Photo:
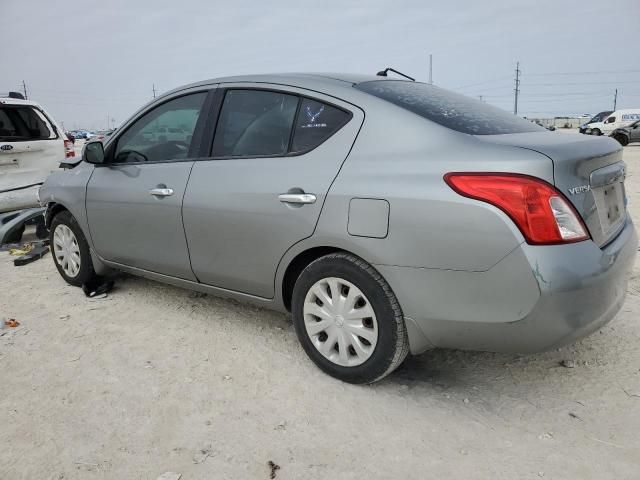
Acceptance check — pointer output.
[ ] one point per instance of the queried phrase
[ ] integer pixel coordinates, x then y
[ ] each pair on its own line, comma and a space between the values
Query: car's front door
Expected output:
134, 200
274, 157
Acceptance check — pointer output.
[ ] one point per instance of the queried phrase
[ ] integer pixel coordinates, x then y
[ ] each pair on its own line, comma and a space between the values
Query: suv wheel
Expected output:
348, 320
70, 250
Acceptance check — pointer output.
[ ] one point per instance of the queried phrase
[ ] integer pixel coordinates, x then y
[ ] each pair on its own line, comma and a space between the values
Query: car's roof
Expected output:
303, 80
17, 101
627, 110
298, 77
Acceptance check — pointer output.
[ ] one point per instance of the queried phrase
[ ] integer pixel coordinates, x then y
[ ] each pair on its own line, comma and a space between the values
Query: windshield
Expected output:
600, 117
451, 110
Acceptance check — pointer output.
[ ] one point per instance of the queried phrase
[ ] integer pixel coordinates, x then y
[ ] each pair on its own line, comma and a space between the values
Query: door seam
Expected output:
184, 230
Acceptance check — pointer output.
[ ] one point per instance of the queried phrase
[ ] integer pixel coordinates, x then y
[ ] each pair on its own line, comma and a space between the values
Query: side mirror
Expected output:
93, 153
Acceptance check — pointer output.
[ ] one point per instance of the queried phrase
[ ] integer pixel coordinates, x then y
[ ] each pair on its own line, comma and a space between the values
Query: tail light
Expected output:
540, 211
68, 149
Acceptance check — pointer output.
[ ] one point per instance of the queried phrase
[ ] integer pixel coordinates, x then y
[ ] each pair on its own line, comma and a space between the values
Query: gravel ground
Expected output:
154, 379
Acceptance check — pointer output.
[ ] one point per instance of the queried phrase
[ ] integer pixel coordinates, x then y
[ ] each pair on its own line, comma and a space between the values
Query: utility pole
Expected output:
24, 89
615, 100
517, 89
154, 90
430, 69
480, 97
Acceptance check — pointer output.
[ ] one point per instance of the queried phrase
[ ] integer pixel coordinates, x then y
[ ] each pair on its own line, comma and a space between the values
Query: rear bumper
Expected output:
535, 299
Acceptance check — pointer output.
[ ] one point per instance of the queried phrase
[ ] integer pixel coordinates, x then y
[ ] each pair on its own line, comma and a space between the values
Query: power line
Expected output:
601, 72
481, 83
580, 83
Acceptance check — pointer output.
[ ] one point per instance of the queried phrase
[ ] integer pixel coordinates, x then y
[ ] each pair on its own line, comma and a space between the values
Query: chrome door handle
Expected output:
161, 192
298, 198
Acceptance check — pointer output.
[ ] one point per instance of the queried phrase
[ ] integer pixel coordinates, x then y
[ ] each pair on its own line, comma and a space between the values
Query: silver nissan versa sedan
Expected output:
388, 216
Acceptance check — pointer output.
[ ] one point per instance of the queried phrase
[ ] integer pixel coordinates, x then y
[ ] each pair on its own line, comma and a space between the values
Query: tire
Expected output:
596, 132
85, 272
622, 140
385, 345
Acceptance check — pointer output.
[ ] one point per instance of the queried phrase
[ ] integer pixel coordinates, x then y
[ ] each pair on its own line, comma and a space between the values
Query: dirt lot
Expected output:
154, 379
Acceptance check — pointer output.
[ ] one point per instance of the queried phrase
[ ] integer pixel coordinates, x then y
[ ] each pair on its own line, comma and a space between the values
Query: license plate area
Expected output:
610, 204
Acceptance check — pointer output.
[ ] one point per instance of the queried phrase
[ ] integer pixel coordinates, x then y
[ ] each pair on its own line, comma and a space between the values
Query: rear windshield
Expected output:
22, 122
449, 109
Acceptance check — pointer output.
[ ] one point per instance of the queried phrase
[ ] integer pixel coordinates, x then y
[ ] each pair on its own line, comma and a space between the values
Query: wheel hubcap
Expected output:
340, 322
66, 250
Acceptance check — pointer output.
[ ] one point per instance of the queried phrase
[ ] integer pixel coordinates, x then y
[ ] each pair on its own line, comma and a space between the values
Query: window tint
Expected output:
254, 123
20, 123
449, 109
163, 134
315, 123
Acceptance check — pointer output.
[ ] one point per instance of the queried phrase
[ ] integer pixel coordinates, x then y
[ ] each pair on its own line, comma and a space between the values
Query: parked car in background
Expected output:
617, 119
595, 119
80, 134
170, 134
440, 221
627, 135
100, 135
32, 145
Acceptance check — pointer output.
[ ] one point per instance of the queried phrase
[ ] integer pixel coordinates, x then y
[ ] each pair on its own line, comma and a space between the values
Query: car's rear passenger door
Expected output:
134, 200
275, 154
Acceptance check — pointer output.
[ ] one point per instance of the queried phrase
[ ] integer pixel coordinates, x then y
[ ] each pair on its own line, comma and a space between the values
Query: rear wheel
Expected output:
348, 320
70, 249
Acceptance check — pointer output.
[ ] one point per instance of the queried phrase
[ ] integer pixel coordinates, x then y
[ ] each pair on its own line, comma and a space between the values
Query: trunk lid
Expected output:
589, 171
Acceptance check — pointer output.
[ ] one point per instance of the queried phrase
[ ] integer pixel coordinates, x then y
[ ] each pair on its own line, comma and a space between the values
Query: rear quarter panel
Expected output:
402, 158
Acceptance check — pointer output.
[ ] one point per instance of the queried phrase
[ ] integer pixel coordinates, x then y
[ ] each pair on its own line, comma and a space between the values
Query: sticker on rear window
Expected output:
312, 116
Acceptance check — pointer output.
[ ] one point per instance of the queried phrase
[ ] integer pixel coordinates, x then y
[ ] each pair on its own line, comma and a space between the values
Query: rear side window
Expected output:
22, 123
254, 123
448, 109
315, 123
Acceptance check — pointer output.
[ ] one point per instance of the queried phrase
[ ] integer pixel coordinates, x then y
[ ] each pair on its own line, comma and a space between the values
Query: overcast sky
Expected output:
84, 60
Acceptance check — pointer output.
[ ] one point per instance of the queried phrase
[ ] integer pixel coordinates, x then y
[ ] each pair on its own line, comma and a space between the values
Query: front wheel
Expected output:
596, 132
348, 319
70, 249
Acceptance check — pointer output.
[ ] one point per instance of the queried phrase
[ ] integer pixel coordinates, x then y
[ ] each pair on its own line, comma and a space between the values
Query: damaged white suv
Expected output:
32, 145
